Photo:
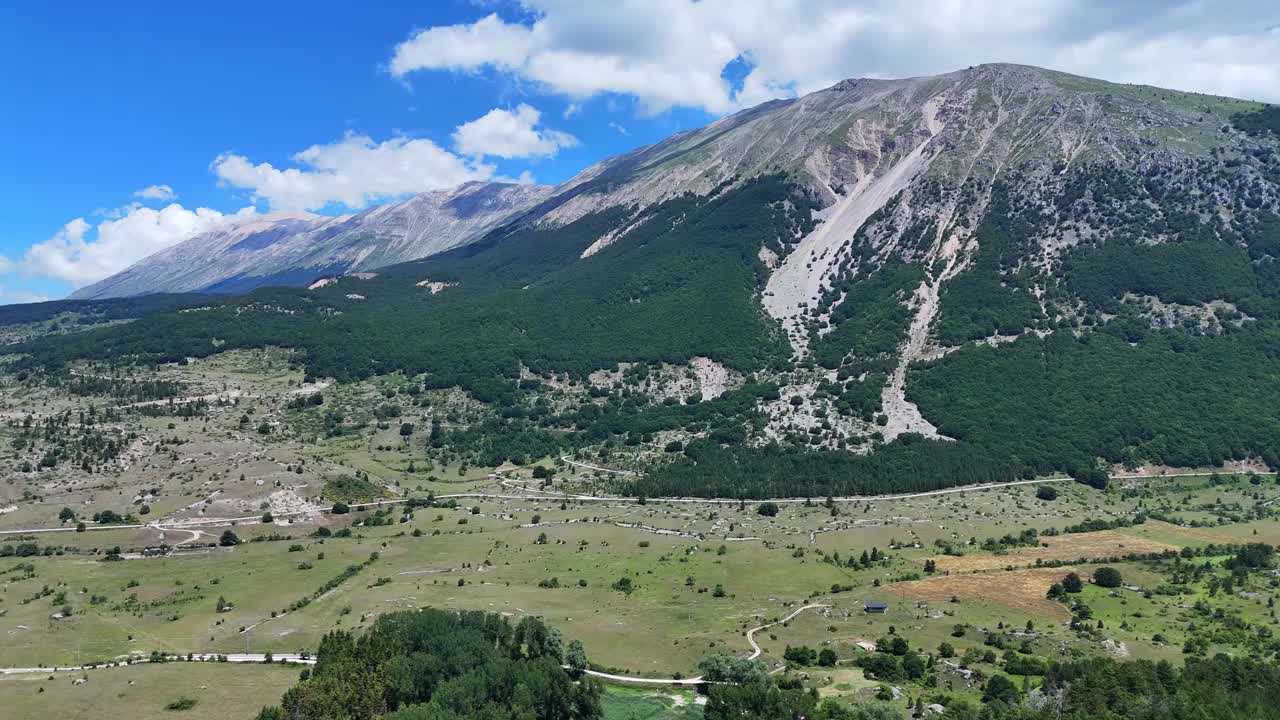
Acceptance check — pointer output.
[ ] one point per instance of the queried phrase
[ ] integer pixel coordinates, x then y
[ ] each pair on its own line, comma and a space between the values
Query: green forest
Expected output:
1061, 402
683, 279
681, 283
439, 665
434, 664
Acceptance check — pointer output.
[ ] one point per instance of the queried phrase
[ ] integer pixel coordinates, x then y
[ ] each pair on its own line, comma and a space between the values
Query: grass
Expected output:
625, 705
1062, 548
144, 692
768, 567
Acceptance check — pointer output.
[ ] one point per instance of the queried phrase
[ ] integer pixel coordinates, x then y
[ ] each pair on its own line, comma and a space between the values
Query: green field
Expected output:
141, 692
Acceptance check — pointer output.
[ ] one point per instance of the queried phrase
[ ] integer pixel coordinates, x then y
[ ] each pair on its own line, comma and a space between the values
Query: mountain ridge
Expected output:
295, 248
996, 271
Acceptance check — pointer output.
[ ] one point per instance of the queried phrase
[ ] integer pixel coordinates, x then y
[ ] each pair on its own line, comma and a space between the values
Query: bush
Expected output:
182, 703
1072, 583
768, 509
1047, 492
800, 655
228, 539
1107, 577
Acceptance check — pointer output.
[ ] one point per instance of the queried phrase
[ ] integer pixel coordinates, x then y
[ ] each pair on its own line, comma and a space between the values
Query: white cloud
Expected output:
354, 171
674, 52
488, 41
81, 253
157, 192
507, 134
357, 171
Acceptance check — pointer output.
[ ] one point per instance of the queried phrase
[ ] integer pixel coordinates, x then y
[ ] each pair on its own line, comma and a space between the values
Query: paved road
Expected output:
523, 493
299, 659
289, 658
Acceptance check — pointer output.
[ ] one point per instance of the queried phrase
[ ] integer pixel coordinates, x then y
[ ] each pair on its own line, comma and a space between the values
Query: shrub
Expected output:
182, 703
1107, 577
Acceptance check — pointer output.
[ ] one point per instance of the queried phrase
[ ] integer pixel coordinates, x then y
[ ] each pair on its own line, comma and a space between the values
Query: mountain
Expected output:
998, 272
295, 248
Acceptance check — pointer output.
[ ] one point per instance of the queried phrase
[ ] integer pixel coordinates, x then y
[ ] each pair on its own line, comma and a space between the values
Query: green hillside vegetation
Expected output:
679, 284
438, 665
682, 280
1263, 121
1061, 402
909, 464
988, 298
872, 318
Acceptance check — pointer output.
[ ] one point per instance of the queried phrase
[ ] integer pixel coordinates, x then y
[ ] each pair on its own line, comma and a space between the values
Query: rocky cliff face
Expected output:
1054, 270
293, 249
906, 172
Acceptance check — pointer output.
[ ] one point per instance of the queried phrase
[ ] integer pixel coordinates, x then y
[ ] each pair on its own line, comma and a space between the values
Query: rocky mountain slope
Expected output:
1001, 270
293, 249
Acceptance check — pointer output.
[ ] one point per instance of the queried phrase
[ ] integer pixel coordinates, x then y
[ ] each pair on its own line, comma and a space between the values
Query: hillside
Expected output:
295, 249
889, 284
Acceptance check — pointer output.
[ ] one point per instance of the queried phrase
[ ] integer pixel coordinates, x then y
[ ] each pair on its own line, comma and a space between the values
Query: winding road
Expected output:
296, 658
751, 634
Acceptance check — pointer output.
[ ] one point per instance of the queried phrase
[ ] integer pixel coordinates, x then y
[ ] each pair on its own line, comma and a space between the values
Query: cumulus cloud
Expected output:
81, 253
354, 171
676, 52
157, 192
510, 134
357, 171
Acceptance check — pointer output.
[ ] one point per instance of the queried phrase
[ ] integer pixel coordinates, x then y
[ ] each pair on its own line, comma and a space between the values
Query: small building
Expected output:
875, 607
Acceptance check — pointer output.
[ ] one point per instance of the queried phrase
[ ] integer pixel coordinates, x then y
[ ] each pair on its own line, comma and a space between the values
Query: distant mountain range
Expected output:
1008, 270
296, 248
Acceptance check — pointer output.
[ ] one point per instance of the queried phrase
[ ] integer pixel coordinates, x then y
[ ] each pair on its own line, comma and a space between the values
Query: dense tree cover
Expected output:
351, 489
909, 464
681, 282
1061, 402
120, 388
1263, 241
94, 311
1263, 121
682, 279
987, 299
978, 305
524, 432
871, 317
1220, 688
1187, 272
1096, 688
440, 665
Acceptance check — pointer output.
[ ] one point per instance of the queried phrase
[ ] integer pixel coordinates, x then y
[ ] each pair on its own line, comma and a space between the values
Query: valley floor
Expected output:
649, 586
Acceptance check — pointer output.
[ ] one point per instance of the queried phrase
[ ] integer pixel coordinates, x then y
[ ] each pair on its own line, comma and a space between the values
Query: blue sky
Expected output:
210, 104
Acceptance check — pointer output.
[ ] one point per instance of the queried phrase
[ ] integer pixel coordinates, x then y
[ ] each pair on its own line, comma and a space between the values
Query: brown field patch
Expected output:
1159, 528
1020, 590
1062, 548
